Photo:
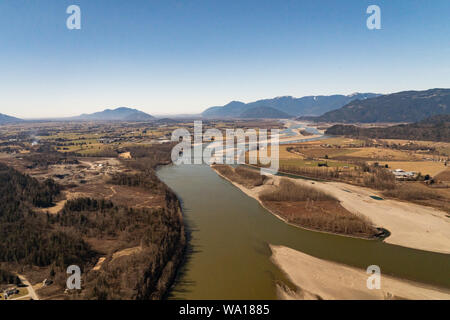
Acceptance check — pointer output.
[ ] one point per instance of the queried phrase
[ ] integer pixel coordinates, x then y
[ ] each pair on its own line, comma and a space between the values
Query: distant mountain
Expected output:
5, 119
119, 114
264, 113
436, 128
311, 105
406, 106
166, 121
230, 110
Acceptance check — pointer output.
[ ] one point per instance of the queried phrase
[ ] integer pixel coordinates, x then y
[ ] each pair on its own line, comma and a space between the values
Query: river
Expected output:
229, 257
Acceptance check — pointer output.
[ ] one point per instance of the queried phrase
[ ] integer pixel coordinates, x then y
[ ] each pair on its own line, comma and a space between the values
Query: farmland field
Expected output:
311, 163
424, 167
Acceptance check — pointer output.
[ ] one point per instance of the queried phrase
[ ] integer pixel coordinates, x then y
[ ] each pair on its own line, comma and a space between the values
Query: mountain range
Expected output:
406, 106
288, 105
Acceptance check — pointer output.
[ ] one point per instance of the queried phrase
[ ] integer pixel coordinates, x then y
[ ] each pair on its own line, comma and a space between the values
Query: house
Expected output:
10, 292
403, 175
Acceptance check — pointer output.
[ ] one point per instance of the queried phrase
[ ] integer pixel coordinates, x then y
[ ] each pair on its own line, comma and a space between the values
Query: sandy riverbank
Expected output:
321, 279
410, 225
283, 138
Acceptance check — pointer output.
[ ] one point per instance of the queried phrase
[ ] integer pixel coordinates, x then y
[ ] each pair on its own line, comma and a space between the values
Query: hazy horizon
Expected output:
99, 109
161, 115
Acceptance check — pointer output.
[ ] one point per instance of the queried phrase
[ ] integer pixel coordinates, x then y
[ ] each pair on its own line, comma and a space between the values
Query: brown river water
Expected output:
229, 257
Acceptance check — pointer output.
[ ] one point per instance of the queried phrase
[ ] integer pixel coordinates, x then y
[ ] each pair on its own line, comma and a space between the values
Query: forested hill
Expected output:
407, 106
27, 238
21, 191
436, 128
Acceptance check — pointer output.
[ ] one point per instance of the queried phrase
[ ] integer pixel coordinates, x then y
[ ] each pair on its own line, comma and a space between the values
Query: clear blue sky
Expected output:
183, 56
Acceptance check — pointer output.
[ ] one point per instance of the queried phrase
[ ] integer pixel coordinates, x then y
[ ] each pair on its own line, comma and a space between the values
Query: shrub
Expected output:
290, 191
413, 191
245, 176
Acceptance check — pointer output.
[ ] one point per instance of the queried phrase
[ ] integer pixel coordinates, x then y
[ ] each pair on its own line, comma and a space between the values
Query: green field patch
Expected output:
313, 163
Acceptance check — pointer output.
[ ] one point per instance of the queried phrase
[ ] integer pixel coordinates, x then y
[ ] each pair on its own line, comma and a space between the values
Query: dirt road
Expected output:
31, 293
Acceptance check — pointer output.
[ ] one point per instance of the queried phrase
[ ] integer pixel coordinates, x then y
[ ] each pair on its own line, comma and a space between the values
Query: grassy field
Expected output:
325, 152
284, 154
381, 154
92, 149
297, 157
349, 154
424, 167
342, 142
368, 153
442, 147
312, 163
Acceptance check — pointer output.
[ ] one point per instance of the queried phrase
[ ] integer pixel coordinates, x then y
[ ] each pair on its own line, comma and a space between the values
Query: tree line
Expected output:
436, 128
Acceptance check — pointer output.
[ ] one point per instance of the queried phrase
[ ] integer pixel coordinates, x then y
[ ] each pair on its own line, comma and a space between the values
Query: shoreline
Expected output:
255, 195
410, 225
181, 253
317, 279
